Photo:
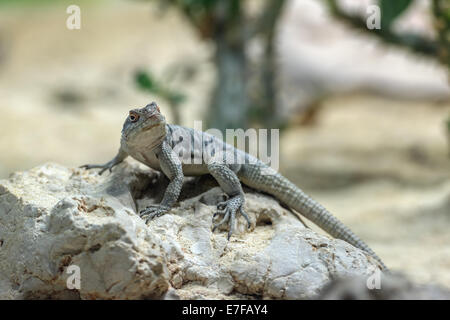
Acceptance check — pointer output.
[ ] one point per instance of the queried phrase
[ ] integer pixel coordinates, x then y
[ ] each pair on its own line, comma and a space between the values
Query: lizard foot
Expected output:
153, 211
107, 166
228, 209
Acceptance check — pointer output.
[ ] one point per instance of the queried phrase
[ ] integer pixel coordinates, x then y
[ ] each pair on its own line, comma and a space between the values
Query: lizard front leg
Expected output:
121, 155
171, 166
230, 184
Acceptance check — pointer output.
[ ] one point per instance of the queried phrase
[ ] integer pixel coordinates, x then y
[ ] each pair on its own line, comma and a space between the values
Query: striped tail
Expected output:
284, 190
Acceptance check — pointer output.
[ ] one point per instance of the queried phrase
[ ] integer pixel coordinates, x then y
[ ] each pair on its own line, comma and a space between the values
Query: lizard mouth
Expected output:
151, 127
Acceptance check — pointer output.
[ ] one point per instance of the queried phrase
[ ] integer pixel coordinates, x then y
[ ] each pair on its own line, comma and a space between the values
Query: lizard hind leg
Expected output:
230, 184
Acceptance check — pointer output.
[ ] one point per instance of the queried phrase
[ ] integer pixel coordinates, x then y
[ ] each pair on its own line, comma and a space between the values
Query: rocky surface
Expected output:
376, 157
391, 287
53, 217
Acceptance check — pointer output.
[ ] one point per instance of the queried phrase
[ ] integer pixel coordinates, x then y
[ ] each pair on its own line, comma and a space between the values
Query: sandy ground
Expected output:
379, 164
383, 168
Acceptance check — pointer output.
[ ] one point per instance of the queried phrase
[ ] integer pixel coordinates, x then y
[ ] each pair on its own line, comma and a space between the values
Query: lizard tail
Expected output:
280, 187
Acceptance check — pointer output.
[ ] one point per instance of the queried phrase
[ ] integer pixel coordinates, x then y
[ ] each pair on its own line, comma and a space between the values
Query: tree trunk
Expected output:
264, 95
230, 100
441, 10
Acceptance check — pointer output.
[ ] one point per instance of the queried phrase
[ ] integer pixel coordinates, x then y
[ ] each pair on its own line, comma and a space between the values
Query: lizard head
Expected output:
144, 126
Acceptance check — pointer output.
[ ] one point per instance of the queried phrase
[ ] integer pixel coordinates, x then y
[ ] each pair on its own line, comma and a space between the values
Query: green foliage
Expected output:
390, 10
23, 2
46, 3
441, 11
147, 82
144, 81
193, 9
197, 4
228, 26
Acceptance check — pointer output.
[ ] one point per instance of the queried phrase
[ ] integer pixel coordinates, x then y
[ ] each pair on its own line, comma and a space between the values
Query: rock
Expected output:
53, 218
391, 287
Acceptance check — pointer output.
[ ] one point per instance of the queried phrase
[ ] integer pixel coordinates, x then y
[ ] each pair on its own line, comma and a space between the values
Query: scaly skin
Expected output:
149, 139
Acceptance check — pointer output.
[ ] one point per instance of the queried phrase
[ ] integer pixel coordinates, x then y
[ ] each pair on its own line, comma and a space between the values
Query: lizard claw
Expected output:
153, 211
222, 205
216, 214
104, 167
226, 214
229, 209
245, 215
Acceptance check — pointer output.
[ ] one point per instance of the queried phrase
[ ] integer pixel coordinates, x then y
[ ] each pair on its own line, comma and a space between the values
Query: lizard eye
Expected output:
134, 117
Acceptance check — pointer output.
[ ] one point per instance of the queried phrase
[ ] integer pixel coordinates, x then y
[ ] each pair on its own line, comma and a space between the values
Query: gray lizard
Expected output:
149, 139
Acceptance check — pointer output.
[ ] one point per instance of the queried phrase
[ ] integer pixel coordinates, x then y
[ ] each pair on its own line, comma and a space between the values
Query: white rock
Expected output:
52, 217
44, 232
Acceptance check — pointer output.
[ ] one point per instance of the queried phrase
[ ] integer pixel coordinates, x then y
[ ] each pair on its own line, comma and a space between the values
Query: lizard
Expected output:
148, 138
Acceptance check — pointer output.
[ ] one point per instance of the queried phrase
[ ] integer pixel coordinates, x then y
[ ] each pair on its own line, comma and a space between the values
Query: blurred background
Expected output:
364, 114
